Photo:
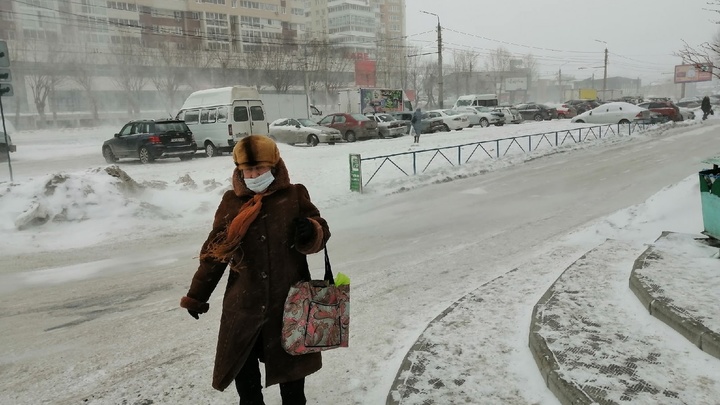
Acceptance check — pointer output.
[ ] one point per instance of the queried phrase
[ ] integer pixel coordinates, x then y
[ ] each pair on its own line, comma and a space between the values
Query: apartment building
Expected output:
231, 25
359, 26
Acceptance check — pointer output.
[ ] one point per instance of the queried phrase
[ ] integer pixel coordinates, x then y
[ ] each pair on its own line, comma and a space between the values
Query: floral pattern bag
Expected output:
316, 315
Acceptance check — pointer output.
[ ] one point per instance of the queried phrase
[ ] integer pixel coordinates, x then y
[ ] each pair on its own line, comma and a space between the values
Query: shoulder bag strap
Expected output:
328, 270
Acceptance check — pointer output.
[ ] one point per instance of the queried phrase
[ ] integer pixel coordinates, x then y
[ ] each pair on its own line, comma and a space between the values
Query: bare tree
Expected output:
168, 75
429, 75
84, 68
131, 73
329, 69
44, 76
463, 64
705, 54
280, 68
497, 63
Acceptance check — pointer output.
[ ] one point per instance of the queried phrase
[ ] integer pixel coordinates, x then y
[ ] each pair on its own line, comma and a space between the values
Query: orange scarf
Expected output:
224, 243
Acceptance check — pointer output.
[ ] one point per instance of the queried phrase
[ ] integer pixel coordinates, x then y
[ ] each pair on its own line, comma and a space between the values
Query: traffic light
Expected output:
4, 55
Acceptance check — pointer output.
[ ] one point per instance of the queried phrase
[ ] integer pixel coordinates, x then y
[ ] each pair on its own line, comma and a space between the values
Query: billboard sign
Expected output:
698, 72
515, 83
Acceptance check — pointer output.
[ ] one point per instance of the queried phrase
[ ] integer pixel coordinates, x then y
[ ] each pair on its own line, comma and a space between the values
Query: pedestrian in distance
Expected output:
417, 124
263, 229
706, 107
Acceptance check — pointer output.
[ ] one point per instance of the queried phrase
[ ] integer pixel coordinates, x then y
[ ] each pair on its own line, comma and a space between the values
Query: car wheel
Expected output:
484, 123
579, 122
312, 140
624, 122
561, 116
186, 157
350, 136
445, 128
145, 155
211, 150
109, 155
538, 117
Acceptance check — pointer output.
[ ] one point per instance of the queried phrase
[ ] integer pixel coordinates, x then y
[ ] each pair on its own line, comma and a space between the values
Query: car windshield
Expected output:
451, 112
484, 109
461, 103
170, 126
306, 122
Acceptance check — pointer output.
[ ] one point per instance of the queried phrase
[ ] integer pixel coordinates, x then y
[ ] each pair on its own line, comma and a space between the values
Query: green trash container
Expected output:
710, 198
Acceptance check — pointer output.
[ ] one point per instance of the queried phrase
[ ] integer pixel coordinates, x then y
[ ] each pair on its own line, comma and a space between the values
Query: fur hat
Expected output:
256, 150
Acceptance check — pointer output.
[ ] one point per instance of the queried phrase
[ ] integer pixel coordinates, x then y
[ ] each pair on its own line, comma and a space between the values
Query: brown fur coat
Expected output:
265, 265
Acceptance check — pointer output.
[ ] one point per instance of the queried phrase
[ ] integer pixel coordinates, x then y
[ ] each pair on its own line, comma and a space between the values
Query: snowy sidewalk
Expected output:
594, 341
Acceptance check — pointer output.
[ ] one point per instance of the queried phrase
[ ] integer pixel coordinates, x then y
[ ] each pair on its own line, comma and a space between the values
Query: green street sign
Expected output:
6, 90
355, 173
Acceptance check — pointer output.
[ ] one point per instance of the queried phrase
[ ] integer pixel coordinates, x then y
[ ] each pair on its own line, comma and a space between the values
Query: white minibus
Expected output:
218, 118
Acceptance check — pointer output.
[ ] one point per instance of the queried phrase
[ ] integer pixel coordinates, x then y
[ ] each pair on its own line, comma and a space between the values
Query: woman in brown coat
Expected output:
264, 228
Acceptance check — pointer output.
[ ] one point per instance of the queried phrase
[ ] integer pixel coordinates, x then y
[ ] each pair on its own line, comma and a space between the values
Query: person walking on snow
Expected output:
706, 107
417, 124
263, 229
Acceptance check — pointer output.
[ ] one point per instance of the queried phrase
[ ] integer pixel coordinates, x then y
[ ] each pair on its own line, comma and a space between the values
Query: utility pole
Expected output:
560, 84
441, 91
440, 65
605, 74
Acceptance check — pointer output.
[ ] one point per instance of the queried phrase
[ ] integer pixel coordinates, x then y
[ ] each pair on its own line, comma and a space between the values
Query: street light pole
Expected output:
605, 69
441, 94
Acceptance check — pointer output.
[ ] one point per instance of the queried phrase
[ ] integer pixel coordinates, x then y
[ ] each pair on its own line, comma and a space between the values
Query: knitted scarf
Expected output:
223, 245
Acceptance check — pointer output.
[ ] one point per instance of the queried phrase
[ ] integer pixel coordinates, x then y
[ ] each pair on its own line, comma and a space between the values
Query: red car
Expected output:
351, 126
566, 111
665, 108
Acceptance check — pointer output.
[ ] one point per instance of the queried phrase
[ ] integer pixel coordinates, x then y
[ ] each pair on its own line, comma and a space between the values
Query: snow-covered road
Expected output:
114, 333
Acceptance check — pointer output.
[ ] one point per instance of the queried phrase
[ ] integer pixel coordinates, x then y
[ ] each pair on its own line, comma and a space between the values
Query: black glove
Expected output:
194, 314
304, 230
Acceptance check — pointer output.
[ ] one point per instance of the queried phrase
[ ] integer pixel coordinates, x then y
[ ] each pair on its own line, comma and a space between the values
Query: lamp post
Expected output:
605, 71
441, 96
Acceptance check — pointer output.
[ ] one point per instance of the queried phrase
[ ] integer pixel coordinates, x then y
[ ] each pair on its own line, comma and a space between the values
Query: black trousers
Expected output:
249, 387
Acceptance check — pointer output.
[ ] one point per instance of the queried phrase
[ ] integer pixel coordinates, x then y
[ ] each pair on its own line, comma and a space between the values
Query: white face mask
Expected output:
261, 182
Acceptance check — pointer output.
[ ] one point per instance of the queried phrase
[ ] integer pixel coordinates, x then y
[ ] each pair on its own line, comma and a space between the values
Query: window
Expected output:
240, 114
126, 130
222, 114
257, 113
208, 115
191, 117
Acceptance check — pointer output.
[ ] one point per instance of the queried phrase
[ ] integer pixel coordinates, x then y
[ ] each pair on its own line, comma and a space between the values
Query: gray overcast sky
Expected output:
641, 35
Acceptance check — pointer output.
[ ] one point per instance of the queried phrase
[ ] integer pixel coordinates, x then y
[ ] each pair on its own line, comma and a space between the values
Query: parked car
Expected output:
427, 125
652, 118
613, 113
302, 130
351, 126
486, 116
148, 140
455, 122
687, 113
511, 114
565, 111
689, 102
582, 105
666, 108
388, 126
472, 115
9, 145
535, 111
